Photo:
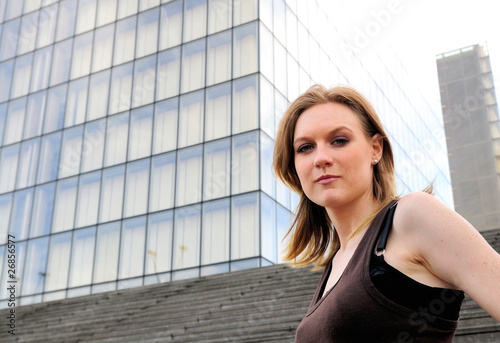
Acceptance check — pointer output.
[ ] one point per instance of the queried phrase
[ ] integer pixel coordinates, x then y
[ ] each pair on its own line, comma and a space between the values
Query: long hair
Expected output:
311, 233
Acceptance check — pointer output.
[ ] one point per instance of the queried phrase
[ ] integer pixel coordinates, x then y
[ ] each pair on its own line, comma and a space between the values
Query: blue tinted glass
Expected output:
21, 213
42, 210
6, 77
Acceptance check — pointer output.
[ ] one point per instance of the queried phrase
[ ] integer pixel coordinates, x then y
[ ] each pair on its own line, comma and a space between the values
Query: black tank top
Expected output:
359, 309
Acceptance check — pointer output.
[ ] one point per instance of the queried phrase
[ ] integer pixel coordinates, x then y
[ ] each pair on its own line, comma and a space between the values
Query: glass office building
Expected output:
137, 135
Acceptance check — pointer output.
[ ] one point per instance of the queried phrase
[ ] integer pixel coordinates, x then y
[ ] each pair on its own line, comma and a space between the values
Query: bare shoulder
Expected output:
450, 248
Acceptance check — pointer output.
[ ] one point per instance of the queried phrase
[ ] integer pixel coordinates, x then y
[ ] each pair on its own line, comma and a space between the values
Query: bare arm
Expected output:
452, 249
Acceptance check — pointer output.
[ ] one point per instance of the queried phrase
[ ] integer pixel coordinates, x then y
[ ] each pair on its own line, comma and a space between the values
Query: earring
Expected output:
375, 161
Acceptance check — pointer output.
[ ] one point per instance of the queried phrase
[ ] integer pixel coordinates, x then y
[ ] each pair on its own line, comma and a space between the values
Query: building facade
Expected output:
472, 128
137, 135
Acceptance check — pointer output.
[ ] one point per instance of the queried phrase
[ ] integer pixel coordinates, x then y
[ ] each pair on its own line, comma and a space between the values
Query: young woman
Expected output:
395, 269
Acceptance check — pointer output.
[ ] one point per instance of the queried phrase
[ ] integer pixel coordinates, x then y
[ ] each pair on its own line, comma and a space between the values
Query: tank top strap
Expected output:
386, 228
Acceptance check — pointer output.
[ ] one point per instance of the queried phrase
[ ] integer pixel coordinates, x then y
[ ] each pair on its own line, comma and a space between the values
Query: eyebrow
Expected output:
307, 138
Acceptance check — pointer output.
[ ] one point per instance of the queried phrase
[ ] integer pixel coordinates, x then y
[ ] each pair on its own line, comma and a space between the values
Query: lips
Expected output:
326, 179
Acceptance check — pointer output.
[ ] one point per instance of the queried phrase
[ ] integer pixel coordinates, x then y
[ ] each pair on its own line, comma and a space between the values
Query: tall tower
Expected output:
472, 129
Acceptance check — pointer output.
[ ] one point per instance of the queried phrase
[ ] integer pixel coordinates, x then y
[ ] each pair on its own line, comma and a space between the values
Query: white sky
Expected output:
418, 30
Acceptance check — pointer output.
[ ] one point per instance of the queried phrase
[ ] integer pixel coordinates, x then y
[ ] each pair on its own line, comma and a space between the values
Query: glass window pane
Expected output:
66, 20
21, 77
98, 95
82, 257
127, 7
146, 4
169, 73
189, 167
268, 229
191, 119
13, 9
147, 33
69, 163
8, 167
216, 169
103, 48
267, 181
215, 232
132, 248
42, 210
279, 27
187, 237
170, 25
36, 260
219, 15
77, 102
93, 145
6, 70
136, 188
244, 11
27, 35
20, 259
3, 114
21, 214
245, 55
218, 112
106, 255
58, 262
56, 107
245, 104
88, 199
193, 66
140, 133
245, 226
121, 88
165, 126
41, 69
9, 39
14, 122
106, 12
34, 115
86, 14
266, 50
47, 25
292, 76
116, 140
82, 55
195, 19
49, 157
5, 208
219, 58
124, 40
267, 107
161, 191
64, 208
112, 193
292, 33
28, 163
159, 250
144, 81
245, 163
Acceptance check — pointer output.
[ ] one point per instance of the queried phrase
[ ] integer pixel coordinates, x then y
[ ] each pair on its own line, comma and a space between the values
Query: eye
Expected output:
340, 141
304, 148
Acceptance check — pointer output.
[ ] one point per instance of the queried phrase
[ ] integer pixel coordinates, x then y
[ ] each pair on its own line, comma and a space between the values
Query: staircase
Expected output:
475, 324
257, 305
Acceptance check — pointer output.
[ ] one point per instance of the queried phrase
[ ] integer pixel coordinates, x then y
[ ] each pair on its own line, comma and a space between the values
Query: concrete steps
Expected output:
257, 305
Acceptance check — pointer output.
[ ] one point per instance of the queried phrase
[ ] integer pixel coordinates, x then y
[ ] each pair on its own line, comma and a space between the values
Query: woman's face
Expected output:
334, 156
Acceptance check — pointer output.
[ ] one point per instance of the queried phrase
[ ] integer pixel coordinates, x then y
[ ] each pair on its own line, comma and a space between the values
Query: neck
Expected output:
346, 218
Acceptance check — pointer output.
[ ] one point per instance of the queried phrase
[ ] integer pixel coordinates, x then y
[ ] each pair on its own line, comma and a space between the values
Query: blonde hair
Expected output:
311, 234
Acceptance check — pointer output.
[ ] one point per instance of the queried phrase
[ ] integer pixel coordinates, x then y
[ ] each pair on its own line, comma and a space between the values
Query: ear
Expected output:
377, 146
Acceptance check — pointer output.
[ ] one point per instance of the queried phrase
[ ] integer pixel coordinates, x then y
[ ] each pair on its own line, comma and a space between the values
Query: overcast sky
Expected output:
418, 30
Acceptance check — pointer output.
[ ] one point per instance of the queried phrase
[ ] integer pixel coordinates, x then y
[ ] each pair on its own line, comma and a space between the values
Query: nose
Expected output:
322, 158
